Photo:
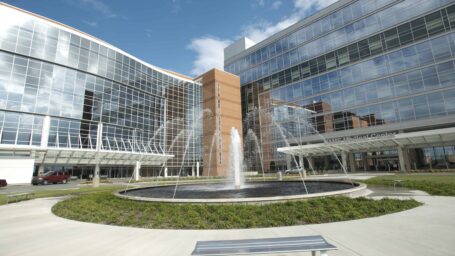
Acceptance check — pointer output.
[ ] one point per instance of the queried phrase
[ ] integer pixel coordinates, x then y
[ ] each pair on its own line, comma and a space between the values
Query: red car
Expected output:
51, 177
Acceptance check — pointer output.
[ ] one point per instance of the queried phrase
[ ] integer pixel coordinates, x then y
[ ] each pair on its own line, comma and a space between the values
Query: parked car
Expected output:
51, 177
3, 183
293, 171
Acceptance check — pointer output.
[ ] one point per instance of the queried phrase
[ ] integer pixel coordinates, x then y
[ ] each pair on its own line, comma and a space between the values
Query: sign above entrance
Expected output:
370, 136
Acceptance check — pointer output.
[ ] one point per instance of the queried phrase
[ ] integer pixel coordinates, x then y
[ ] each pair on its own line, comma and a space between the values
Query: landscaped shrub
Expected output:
106, 208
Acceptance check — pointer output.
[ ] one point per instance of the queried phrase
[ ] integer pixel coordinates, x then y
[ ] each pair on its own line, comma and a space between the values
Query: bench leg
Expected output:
324, 253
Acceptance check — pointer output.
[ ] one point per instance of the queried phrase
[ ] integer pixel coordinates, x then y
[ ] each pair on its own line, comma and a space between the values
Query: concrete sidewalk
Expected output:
29, 228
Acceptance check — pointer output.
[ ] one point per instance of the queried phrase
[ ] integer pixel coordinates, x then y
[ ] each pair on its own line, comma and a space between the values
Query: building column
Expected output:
302, 165
365, 161
165, 172
197, 169
193, 174
311, 163
344, 161
288, 162
403, 158
96, 172
41, 169
326, 163
137, 171
96, 176
352, 165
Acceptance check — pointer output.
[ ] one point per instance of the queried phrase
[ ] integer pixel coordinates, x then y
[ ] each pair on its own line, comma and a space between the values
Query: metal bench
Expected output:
18, 196
311, 244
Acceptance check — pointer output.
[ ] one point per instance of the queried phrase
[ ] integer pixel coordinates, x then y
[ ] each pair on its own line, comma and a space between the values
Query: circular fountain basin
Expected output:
251, 192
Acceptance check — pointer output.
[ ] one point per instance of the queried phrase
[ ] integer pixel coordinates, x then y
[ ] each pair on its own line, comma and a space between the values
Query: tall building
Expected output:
69, 101
370, 83
222, 111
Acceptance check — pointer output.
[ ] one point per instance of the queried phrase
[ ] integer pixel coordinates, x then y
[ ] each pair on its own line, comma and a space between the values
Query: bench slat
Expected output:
265, 240
266, 245
262, 244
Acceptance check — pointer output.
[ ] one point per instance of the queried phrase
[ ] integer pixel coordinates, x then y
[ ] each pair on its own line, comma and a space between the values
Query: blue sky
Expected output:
187, 36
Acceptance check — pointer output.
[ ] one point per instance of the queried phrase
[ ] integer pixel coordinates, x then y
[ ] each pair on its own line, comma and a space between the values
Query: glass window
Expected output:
436, 103
343, 56
375, 44
324, 82
405, 33
419, 29
401, 85
435, 24
430, 78
295, 74
425, 53
406, 109
364, 49
331, 61
315, 85
446, 73
391, 38
349, 97
384, 89
334, 80
415, 80
440, 48
451, 15
360, 94
305, 69
421, 106
449, 99
313, 66
388, 112
353, 52
297, 90
321, 64
410, 56
396, 61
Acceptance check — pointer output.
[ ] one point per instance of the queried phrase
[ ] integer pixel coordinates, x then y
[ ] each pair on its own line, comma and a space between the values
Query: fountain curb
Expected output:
357, 191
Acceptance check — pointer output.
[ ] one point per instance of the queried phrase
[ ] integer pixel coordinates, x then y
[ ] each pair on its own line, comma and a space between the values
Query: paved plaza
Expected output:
30, 228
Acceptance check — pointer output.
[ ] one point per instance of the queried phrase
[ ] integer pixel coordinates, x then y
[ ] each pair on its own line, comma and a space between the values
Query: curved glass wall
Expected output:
319, 41
47, 69
402, 75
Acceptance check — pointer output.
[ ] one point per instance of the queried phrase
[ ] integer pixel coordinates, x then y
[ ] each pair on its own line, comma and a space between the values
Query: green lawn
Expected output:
105, 208
434, 184
66, 192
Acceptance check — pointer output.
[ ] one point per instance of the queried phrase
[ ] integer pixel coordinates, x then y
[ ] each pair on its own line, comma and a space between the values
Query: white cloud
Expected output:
276, 5
210, 50
96, 5
148, 33
302, 8
210, 53
91, 23
261, 30
306, 7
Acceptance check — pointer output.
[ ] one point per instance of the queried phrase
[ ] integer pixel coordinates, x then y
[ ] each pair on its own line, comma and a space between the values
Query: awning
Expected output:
375, 141
72, 156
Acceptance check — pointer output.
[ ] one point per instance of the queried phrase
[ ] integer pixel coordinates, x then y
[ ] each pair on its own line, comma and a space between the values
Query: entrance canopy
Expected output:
375, 141
74, 156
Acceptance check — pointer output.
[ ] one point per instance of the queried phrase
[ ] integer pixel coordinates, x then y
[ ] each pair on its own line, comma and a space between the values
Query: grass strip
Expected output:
433, 184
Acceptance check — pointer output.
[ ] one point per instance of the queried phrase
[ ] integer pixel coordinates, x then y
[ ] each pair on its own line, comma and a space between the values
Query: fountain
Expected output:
236, 159
236, 190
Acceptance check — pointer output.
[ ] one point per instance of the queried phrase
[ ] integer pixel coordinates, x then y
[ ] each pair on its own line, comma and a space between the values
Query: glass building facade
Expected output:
80, 82
357, 66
